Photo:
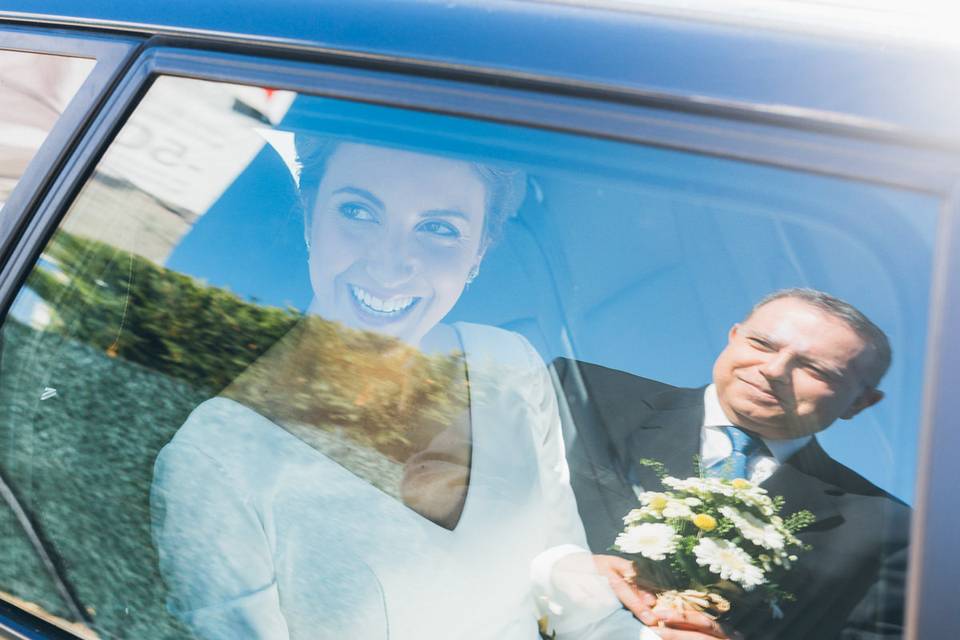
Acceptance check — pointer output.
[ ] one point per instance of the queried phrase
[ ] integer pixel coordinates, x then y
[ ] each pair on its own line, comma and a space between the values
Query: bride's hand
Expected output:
669, 624
621, 574
687, 625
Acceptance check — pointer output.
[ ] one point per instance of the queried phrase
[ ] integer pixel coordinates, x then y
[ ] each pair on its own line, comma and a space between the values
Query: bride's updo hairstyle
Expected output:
506, 187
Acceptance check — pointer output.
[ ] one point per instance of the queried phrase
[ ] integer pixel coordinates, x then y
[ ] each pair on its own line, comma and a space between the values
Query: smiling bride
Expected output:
379, 473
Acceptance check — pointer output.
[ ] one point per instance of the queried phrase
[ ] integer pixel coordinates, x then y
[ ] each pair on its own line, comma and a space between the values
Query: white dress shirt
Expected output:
715, 445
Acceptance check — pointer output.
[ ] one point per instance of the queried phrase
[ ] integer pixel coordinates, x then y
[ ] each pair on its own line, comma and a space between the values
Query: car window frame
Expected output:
860, 152
933, 561
110, 55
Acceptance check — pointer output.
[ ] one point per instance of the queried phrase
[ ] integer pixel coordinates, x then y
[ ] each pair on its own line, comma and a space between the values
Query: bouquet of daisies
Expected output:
705, 539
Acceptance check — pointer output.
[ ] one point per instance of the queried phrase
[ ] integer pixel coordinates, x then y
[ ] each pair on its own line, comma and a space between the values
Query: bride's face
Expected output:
394, 237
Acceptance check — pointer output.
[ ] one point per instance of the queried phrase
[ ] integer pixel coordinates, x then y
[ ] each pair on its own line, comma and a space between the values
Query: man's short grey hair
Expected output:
874, 337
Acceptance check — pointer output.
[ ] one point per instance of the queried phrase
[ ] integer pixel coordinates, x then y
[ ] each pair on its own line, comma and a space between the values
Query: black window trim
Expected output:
735, 131
111, 56
18, 624
931, 609
889, 161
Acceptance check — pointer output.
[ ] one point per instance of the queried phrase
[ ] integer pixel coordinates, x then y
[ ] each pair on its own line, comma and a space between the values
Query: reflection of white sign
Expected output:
184, 144
188, 140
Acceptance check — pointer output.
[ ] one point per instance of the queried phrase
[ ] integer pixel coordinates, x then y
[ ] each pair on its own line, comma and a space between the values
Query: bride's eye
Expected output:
440, 229
357, 211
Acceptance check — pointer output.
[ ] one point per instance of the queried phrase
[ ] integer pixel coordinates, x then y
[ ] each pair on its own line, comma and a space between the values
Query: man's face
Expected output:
790, 370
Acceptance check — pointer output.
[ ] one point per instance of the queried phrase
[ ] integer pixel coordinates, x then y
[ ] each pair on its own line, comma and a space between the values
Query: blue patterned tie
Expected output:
735, 465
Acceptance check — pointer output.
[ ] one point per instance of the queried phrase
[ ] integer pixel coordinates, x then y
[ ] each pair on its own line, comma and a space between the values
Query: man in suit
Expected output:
800, 360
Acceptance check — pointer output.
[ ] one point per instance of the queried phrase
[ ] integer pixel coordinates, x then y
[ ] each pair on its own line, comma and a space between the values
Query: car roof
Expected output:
708, 57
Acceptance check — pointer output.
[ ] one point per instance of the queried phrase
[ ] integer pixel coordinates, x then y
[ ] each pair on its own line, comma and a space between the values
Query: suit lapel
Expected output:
592, 430
804, 482
668, 433
619, 418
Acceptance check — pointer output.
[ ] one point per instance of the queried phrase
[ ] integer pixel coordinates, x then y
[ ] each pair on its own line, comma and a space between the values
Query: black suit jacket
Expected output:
850, 585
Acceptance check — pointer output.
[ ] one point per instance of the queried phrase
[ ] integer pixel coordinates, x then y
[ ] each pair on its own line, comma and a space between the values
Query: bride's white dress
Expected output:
261, 536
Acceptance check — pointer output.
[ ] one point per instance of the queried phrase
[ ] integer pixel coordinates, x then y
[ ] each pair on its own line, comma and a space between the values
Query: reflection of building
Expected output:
115, 211
34, 90
171, 161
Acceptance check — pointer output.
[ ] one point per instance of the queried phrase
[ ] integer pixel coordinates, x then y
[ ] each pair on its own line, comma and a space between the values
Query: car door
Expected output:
156, 253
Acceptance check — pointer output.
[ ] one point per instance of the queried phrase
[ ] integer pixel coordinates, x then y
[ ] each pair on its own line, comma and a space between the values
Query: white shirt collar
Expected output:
715, 445
713, 448
713, 415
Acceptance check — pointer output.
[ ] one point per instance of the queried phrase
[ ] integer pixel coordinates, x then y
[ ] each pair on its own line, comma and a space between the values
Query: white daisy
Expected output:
729, 561
636, 516
754, 529
700, 486
677, 509
759, 500
657, 499
651, 540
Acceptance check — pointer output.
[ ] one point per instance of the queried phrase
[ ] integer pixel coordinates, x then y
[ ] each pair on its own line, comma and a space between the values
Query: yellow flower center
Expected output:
740, 483
705, 522
658, 502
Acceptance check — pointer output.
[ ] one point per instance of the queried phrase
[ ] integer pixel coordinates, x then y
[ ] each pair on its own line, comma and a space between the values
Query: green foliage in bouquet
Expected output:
713, 536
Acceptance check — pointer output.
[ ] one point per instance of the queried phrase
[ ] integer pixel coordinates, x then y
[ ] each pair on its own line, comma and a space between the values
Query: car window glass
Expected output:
292, 363
34, 90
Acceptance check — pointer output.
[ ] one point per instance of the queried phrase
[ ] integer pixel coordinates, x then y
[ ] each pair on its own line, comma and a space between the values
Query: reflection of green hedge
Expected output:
329, 375
82, 463
129, 307
131, 350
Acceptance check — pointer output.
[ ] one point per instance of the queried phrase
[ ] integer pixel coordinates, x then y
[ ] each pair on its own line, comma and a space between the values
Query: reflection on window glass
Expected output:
293, 366
34, 91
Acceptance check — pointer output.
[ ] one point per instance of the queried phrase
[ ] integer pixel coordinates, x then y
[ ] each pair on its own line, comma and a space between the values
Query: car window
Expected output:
293, 364
34, 90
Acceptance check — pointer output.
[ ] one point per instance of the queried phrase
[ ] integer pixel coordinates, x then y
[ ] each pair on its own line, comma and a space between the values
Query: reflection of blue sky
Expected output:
31, 309
637, 258
251, 240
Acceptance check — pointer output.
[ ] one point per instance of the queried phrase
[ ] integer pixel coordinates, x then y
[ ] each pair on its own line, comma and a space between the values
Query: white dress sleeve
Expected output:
579, 605
214, 553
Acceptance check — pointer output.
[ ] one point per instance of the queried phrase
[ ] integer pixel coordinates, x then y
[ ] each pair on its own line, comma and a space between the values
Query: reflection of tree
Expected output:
325, 382
129, 307
389, 413
384, 394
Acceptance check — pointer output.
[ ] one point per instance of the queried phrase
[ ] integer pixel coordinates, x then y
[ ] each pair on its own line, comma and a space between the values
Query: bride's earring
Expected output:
473, 273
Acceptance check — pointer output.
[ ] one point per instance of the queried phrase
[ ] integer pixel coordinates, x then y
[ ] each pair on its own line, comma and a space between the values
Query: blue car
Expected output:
504, 319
